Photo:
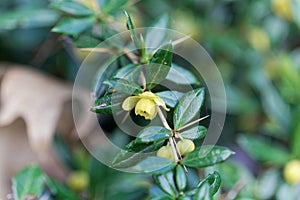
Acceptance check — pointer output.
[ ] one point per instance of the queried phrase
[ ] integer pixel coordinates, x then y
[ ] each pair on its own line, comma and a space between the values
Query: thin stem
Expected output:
192, 123
173, 149
163, 119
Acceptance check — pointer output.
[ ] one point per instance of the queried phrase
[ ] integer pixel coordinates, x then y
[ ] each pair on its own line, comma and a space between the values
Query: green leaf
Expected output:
28, 183
166, 183
109, 104
60, 191
153, 133
170, 97
129, 72
124, 86
205, 156
132, 32
159, 66
72, 8
153, 165
155, 37
203, 193
164, 197
114, 5
197, 132
180, 75
133, 153
188, 107
29, 18
181, 179
264, 150
73, 26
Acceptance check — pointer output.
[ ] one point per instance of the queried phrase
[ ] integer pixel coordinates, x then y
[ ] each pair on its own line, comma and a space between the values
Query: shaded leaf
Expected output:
203, 193
180, 177
263, 150
197, 132
73, 8
159, 66
124, 86
132, 32
28, 183
73, 26
129, 72
166, 183
113, 6
205, 156
59, 190
170, 97
188, 107
109, 104
153, 133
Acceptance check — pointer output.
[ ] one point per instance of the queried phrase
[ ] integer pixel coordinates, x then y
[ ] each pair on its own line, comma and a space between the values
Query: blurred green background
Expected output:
255, 45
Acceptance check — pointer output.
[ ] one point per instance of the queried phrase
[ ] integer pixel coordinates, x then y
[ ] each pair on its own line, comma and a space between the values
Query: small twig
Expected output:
125, 117
232, 194
131, 56
98, 50
143, 80
163, 119
180, 40
192, 123
173, 149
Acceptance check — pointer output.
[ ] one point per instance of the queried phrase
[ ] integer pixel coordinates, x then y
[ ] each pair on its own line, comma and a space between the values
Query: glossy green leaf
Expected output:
197, 132
180, 75
27, 183
124, 86
184, 197
205, 156
60, 191
295, 137
170, 97
72, 8
134, 153
73, 26
166, 183
153, 165
153, 133
113, 5
188, 107
129, 72
264, 150
155, 37
109, 104
180, 177
203, 193
163, 197
159, 66
133, 36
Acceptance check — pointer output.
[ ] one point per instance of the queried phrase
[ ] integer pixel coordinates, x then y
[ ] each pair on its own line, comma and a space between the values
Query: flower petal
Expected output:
147, 95
160, 102
130, 102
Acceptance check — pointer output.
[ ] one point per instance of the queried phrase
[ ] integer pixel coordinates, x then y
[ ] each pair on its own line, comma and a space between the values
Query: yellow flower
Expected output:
283, 8
291, 172
146, 104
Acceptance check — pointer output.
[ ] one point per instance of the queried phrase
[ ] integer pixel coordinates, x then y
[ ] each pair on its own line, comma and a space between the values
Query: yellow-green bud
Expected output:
78, 181
165, 152
185, 146
291, 172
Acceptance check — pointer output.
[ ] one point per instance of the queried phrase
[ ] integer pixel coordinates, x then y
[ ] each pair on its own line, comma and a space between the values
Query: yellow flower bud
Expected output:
146, 108
291, 172
165, 152
283, 8
259, 39
185, 146
146, 104
78, 181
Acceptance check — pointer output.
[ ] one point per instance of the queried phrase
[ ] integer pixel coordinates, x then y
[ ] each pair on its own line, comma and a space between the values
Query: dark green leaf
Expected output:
109, 104
133, 153
181, 179
59, 190
27, 19
205, 156
159, 66
124, 86
264, 150
166, 183
73, 8
203, 193
163, 197
129, 72
180, 75
73, 26
170, 97
197, 132
113, 6
132, 32
153, 165
28, 183
156, 36
188, 107
153, 133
